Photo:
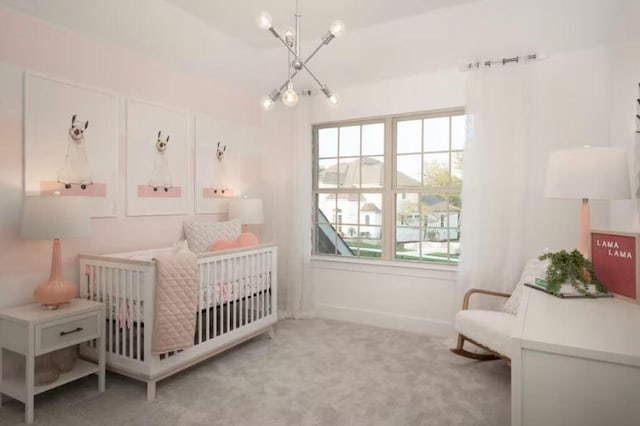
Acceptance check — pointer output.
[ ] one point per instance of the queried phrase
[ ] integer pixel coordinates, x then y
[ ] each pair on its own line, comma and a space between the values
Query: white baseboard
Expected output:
420, 325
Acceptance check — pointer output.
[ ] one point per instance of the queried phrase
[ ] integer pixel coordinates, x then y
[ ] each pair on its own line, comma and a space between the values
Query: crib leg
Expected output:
151, 390
271, 332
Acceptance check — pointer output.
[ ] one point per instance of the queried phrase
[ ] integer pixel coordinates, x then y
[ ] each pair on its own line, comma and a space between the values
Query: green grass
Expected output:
360, 244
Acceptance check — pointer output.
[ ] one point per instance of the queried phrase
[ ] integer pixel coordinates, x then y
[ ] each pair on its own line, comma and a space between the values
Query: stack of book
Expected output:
567, 291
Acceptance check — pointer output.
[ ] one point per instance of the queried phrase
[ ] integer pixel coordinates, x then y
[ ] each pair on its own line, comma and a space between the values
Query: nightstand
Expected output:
31, 331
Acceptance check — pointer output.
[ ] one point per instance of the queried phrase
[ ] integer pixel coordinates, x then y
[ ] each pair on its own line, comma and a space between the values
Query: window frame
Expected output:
389, 188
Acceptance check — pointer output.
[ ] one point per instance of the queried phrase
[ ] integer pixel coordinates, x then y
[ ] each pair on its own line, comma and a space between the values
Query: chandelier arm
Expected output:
313, 53
303, 64
288, 80
313, 76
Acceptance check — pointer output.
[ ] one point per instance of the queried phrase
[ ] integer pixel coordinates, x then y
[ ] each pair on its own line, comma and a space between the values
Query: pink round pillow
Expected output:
223, 245
246, 239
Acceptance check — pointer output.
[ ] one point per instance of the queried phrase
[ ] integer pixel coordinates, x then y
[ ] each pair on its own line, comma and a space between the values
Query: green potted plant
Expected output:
571, 268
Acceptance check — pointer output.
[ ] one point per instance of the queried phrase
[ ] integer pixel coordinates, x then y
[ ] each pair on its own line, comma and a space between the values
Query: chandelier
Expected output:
295, 63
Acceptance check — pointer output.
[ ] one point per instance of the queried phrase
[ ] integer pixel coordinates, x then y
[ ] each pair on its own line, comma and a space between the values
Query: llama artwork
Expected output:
161, 176
218, 186
76, 170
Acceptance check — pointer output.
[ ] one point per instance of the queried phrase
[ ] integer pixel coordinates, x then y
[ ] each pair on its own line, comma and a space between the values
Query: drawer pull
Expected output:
64, 333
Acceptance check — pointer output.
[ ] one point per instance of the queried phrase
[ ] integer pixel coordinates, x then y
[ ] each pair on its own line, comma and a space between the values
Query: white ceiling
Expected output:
238, 18
384, 39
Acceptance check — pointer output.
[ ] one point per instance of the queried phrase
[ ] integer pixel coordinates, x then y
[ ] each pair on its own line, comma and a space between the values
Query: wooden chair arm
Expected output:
467, 296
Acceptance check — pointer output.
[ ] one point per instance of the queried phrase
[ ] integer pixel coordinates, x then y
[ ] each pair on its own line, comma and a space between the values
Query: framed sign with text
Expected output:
615, 262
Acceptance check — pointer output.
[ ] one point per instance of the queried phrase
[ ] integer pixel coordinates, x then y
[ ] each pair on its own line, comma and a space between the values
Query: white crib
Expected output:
237, 301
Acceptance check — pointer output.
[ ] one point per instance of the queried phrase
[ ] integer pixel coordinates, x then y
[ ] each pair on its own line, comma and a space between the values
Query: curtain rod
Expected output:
504, 61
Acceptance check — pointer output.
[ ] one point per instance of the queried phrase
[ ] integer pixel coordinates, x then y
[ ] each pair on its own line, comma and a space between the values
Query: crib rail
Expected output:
235, 290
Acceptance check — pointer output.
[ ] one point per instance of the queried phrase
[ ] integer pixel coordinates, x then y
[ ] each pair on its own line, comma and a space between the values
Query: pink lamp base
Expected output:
56, 291
585, 227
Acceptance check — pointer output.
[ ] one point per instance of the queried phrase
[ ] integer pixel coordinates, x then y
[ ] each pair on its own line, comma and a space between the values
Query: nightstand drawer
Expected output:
69, 331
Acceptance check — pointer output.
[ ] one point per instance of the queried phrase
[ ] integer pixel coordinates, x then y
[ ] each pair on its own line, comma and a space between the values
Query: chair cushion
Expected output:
533, 269
492, 329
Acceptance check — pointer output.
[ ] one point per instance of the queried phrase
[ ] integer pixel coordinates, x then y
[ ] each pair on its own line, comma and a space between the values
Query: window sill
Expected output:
437, 271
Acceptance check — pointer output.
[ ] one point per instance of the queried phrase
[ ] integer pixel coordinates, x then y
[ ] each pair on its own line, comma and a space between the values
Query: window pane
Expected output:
349, 141
326, 207
349, 175
325, 241
409, 170
407, 243
435, 210
436, 170
328, 173
328, 142
369, 243
455, 204
372, 169
436, 134
407, 210
325, 232
370, 232
373, 139
458, 131
371, 209
456, 169
409, 136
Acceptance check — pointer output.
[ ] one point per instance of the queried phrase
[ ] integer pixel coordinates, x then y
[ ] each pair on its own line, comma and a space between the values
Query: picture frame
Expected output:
616, 263
159, 146
84, 164
213, 165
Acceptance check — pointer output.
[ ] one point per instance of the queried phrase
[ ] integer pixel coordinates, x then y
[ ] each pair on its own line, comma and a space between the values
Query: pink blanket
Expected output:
176, 302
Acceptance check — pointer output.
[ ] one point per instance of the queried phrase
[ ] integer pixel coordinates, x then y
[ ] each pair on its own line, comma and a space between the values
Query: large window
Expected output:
389, 188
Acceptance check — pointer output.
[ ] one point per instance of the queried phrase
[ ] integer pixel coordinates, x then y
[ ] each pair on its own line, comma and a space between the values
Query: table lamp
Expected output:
55, 217
588, 173
250, 212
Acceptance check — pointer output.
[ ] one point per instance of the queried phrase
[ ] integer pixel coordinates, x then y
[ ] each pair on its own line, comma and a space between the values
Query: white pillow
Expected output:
200, 235
533, 269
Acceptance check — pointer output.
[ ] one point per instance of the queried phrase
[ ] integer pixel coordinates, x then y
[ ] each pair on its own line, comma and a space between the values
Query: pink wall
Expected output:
29, 44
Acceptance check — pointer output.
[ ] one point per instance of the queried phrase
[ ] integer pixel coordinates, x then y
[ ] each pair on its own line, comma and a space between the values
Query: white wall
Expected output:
29, 44
626, 80
570, 107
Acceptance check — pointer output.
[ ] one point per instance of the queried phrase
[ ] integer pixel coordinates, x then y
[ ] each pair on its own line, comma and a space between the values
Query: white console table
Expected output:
575, 362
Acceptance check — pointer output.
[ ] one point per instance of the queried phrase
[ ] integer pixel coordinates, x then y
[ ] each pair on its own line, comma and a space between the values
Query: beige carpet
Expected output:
314, 372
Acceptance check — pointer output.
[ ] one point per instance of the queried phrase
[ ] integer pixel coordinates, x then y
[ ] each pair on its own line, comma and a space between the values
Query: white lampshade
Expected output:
248, 210
50, 217
588, 172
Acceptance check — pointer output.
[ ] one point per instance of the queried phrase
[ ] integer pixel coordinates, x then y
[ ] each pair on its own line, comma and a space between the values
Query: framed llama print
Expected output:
71, 142
158, 151
214, 153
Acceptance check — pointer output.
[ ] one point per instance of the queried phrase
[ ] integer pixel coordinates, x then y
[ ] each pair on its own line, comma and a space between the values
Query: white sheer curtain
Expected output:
293, 215
496, 196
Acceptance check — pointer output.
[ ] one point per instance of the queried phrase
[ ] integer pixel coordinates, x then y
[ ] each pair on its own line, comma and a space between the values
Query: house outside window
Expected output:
396, 182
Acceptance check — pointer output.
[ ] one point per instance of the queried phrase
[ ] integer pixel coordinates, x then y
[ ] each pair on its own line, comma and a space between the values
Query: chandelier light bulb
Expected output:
264, 20
334, 99
267, 103
290, 97
337, 28
290, 36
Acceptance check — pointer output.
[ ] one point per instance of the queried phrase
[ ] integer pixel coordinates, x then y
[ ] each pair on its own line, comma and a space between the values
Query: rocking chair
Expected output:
490, 330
